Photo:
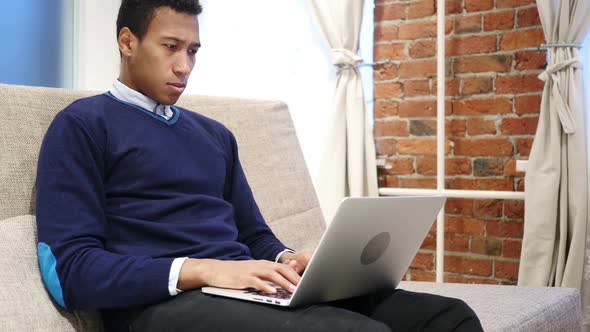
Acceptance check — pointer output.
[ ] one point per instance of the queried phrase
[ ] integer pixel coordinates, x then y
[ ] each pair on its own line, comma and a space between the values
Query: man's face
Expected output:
160, 64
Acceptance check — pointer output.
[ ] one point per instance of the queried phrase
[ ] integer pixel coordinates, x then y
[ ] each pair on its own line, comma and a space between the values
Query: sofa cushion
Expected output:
513, 308
24, 300
27, 113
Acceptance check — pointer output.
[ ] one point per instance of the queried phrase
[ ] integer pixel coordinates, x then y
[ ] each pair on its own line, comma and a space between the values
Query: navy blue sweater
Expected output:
121, 192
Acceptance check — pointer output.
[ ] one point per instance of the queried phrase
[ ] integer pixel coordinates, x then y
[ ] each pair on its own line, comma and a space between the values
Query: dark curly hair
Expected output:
137, 14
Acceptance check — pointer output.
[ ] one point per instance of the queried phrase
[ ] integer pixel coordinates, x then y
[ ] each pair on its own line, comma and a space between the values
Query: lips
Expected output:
178, 87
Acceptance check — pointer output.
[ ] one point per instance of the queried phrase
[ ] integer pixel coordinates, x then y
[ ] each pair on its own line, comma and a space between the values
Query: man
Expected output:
140, 203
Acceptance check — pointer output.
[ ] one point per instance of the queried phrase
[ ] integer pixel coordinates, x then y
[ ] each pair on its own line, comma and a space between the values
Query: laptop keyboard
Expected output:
281, 293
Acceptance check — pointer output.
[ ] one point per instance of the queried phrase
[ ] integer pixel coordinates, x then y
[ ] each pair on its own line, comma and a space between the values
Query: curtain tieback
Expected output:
345, 59
551, 74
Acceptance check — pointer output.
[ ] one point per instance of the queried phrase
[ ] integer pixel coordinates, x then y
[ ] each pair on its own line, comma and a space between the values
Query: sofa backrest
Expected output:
270, 155
273, 163
269, 151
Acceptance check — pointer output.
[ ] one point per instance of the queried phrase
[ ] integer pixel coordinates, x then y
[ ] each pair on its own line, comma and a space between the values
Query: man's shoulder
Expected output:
87, 112
87, 108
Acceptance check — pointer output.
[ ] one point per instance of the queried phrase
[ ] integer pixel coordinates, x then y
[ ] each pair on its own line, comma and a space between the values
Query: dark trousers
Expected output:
396, 310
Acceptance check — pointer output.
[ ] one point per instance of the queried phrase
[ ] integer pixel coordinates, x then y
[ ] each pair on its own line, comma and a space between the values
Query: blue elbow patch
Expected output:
47, 263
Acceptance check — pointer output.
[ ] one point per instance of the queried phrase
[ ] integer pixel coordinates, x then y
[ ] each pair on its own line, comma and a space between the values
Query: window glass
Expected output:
32, 42
272, 50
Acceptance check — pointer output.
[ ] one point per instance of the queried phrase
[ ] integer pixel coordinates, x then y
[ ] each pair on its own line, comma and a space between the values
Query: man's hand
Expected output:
197, 273
298, 261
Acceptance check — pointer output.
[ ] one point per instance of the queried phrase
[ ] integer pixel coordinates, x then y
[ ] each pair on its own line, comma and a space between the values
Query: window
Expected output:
32, 38
273, 50
490, 123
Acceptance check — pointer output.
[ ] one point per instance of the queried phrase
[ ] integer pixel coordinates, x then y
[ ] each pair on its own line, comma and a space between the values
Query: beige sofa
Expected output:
277, 173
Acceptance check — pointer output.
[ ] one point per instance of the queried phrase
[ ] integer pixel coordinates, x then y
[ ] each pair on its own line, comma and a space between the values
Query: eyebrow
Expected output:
181, 41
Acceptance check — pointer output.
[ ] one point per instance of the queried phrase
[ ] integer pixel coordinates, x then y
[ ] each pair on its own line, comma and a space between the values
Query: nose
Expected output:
182, 66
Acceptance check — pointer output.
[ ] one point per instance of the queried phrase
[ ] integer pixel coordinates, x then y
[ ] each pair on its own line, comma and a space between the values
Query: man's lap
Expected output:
193, 310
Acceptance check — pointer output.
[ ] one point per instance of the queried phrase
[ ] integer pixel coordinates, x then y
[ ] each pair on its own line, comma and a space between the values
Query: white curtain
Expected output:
348, 165
556, 182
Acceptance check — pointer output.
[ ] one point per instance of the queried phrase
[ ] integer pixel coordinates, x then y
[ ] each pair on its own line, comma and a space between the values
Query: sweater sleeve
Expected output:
72, 226
252, 229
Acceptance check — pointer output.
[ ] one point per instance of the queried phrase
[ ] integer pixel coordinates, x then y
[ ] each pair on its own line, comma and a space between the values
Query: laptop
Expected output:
367, 247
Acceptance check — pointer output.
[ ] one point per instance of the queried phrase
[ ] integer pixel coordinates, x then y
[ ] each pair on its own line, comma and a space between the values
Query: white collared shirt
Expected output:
126, 94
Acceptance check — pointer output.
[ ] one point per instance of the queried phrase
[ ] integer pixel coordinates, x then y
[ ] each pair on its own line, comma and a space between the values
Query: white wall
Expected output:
95, 54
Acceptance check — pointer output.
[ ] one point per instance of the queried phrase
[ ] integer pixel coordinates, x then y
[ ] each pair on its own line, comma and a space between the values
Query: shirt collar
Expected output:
125, 93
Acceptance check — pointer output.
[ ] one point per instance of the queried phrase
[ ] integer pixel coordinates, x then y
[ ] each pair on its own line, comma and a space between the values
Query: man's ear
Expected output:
127, 42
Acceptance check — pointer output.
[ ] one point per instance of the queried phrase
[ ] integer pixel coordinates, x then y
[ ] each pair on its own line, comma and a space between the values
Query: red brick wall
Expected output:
492, 105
